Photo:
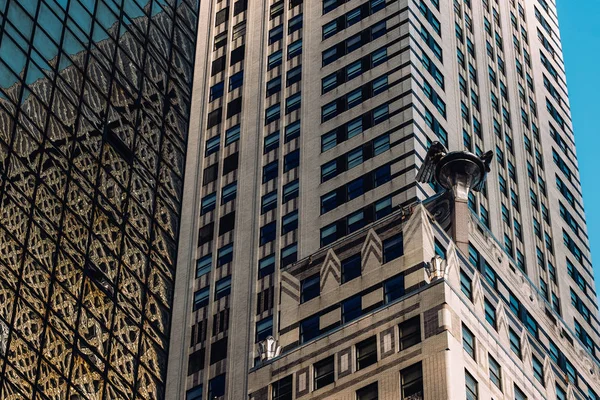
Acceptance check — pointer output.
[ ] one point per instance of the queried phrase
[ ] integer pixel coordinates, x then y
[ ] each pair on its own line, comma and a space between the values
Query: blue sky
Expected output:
580, 34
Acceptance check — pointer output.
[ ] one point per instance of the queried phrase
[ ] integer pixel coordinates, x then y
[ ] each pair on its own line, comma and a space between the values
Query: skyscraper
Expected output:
94, 113
312, 119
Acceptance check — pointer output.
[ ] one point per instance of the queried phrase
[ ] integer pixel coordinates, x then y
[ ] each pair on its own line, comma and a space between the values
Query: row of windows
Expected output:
411, 384
271, 141
292, 103
275, 59
495, 370
355, 157
352, 17
354, 127
355, 188
289, 223
472, 389
351, 308
269, 201
354, 43
354, 98
353, 70
356, 221
222, 289
288, 256
237, 55
294, 24
290, 161
517, 308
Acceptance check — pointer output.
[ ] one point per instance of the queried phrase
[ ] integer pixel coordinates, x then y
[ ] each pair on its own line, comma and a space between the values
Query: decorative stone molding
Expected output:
268, 349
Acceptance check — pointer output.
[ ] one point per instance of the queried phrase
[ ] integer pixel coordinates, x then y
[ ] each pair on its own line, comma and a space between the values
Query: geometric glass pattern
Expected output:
94, 110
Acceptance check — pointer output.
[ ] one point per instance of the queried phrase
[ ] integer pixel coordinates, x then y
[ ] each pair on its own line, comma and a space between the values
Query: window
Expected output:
270, 171
236, 80
410, 332
223, 287
208, 203
351, 268
328, 111
216, 387
194, 393
274, 60
411, 383
495, 372
380, 114
292, 131
226, 223
538, 369
266, 266
328, 234
355, 157
291, 160
267, 233
468, 341
216, 91
276, 34
366, 353
230, 163
310, 288
392, 248
290, 191
203, 265
237, 55
294, 49
328, 202
283, 389
212, 145
490, 313
560, 393
293, 102
309, 329
328, 170
289, 255
515, 342
383, 207
218, 351
351, 308
264, 329
229, 193
355, 221
269, 202
295, 23
272, 113
234, 107
324, 372
294, 75
220, 40
217, 66
328, 83
225, 255
289, 222
201, 298
239, 30
274, 86
232, 135
519, 395
393, 288
368, 392
466, 285
471, 386
271, 142
276, 9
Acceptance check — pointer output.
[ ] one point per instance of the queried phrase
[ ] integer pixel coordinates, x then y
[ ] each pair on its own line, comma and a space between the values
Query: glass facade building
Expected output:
94, 111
